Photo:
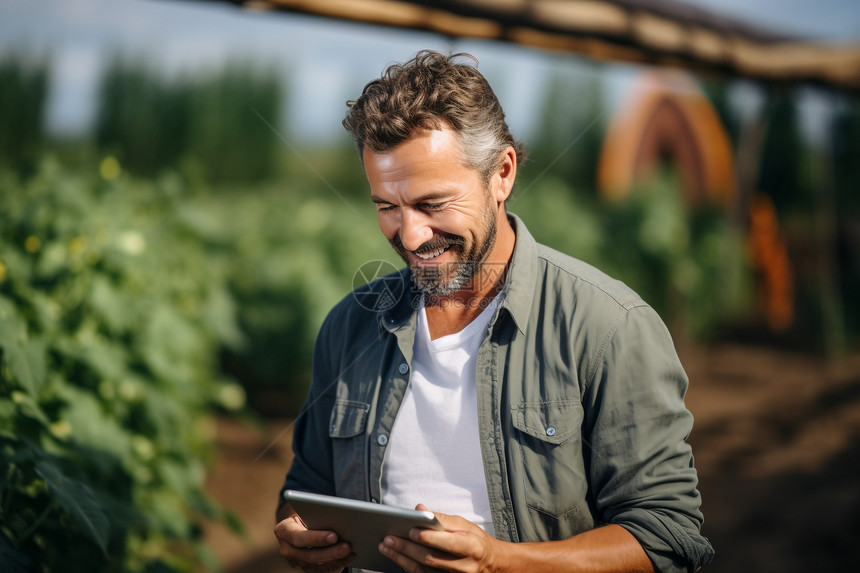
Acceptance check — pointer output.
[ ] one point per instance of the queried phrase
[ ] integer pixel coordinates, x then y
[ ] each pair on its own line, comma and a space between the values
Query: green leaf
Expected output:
109, 305
78, 501
25, 358
9, 321
26, 361
23, 451
92, 426
12, 560
28, 406
53, 260
220, 315
234, 523
169, 343
7, 417
166, 510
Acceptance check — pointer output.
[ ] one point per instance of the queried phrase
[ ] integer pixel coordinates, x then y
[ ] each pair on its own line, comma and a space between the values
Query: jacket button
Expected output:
550, 431
381, 439
403, 368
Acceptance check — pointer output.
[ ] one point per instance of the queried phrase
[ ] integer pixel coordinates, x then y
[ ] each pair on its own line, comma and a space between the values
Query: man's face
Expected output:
438, 214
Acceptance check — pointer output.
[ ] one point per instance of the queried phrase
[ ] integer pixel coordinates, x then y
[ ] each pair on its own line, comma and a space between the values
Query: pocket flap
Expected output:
348, 419
552, 422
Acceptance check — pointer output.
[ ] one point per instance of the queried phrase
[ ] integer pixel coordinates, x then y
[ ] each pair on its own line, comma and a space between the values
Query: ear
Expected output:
502, 181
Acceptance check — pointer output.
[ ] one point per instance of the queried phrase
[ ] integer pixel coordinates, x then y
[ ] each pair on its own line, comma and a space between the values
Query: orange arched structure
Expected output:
667, 119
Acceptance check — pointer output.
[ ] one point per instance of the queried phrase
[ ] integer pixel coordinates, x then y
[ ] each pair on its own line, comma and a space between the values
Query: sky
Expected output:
326, 61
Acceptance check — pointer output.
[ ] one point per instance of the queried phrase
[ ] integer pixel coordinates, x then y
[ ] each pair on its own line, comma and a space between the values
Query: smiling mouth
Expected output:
426, 256
430, 250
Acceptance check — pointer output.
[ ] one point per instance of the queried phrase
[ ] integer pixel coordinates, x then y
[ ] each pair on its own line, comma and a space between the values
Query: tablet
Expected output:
361, 523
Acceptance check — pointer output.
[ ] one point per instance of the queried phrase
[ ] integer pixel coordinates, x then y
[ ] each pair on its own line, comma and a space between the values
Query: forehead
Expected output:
428, 160
423, 146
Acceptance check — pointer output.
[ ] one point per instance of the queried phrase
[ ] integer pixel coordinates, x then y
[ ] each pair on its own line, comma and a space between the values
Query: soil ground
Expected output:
777, 446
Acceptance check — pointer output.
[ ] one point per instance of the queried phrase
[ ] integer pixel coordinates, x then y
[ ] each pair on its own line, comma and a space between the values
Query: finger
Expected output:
414, 557
446, 543
319, 556
298, 535
460, 545
390, 550
447, 521
461, 538
422, 507
308, 548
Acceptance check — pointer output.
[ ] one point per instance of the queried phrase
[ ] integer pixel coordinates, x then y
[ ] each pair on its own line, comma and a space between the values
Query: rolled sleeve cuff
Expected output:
670, 546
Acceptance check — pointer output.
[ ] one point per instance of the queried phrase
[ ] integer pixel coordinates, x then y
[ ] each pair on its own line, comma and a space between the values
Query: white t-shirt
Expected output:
433, 454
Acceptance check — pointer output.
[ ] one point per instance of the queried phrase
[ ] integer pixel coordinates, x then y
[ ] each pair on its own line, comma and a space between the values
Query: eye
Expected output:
385, 208
431, 206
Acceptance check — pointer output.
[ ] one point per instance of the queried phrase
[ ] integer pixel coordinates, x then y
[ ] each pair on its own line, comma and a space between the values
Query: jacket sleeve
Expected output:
311, 469
641, 468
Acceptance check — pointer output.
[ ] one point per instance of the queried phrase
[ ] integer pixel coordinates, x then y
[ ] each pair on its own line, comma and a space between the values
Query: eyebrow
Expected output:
429, 197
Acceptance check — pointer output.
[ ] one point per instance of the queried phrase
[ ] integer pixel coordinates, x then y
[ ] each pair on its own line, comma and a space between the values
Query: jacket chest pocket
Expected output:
347, 433
552, 472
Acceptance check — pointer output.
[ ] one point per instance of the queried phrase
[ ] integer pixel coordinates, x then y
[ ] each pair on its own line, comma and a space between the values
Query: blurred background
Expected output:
180, 207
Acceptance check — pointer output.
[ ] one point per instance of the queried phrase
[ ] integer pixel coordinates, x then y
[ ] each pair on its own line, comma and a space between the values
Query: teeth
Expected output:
431, 254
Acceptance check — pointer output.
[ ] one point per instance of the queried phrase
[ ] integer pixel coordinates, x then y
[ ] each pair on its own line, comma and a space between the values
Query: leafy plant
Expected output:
111, 316
291, 254
690, 265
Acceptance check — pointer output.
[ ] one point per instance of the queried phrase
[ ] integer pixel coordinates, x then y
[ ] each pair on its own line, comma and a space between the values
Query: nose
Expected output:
414, 230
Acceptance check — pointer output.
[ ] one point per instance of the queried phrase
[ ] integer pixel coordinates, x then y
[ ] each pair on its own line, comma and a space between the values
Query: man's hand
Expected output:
463, 546
310, 550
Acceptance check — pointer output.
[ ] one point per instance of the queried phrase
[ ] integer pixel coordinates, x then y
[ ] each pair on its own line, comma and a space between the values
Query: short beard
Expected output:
431, 280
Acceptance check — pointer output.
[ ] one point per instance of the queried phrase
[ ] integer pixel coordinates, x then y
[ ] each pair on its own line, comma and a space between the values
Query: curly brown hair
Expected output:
431, 91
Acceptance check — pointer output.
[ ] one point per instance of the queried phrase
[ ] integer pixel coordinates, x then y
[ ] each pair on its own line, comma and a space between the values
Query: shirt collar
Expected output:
522, 275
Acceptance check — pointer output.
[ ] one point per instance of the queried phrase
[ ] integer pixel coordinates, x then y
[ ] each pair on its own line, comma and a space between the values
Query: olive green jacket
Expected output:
580, 406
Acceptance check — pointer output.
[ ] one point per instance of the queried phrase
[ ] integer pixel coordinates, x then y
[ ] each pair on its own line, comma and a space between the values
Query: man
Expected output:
533, 403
